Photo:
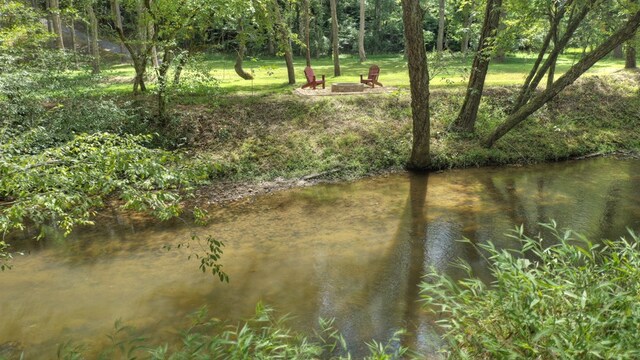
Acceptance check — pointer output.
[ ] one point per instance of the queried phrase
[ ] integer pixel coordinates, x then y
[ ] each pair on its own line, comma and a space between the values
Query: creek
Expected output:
353, 251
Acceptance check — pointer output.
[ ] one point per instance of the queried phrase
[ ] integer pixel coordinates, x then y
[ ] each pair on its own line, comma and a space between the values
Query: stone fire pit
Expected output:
347, 87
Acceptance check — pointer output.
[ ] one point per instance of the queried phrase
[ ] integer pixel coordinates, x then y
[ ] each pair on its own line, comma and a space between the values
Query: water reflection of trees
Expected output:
586, 197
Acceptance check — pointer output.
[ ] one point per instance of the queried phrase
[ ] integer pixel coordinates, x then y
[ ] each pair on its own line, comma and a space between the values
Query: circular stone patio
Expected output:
327, 91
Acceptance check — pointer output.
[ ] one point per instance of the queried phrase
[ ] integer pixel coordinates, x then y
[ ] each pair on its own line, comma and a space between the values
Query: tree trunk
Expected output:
142, 27
376, 23
466, 120
47, 5
412, 17
56, 22
139, 53
271, 46
154, 49
361, 52
618, 52
240, 52
93, 33
149, 47
74, 46
537, 74
625, 33
630, 58
554, 37
440, 41
162, 71
285, 42
500, 50
334, 37
468, 20
117, 18
238, 66
288, 59
307, 32
182, 61
140, 66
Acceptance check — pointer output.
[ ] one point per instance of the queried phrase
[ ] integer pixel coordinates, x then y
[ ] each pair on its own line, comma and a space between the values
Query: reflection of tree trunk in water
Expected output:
519, 212
606, 226
417, 233
541, 209
395, 282
514, 207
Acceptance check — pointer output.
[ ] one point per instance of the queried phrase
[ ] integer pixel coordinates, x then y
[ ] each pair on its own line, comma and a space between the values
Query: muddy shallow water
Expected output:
354, 252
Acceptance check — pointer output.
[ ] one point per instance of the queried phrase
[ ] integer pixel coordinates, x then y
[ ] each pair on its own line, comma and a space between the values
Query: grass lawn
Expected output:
271, 74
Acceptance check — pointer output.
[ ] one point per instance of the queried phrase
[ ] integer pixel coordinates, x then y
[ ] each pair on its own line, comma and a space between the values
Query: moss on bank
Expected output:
286, 136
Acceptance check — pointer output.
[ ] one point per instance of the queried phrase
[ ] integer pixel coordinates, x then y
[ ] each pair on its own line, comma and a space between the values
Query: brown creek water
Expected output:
353, 251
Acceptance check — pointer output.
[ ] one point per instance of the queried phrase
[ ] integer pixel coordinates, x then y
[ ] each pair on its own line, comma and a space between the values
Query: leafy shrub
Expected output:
568, 299
63, 186
262, 337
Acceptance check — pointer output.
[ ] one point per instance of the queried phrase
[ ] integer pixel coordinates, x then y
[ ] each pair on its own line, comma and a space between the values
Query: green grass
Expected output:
271, 73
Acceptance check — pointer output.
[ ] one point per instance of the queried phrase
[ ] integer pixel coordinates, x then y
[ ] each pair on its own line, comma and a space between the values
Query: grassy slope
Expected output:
270, 136
268, 133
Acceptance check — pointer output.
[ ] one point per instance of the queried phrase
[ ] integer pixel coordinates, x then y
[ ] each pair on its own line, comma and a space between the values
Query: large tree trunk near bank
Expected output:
412, 17
361, 53
93, 31
334, 37
440, 40
466, 120
623, 34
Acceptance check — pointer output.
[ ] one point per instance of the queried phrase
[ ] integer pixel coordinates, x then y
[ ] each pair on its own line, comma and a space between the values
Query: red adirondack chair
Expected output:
372, 78
311, 79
